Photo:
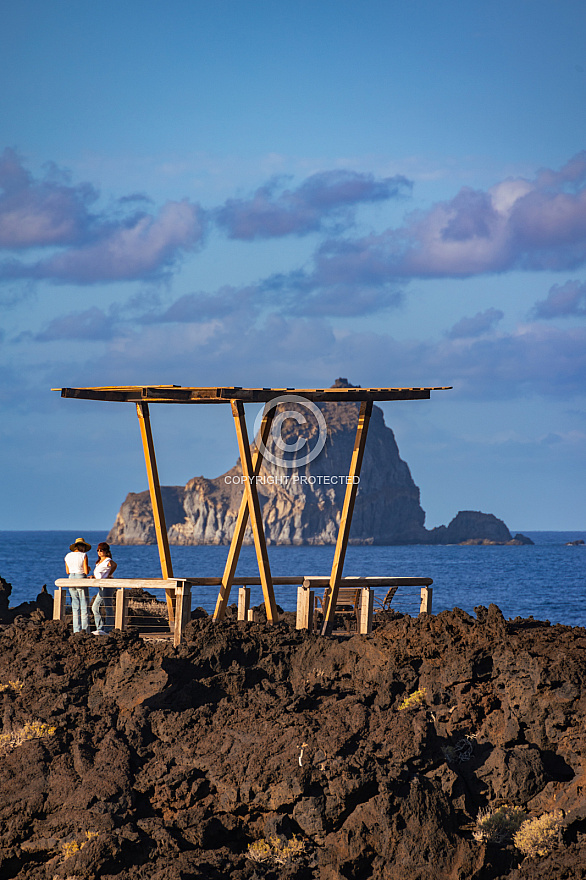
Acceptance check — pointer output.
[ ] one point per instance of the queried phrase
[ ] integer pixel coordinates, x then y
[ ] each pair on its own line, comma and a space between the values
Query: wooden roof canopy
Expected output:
183, 394
251, 462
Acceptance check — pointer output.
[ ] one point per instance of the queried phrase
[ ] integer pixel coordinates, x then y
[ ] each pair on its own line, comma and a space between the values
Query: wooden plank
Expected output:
346, 518
426, 600
366, 610
240, 527
254, 511
121, 612
305, 605
170, 583
243, 603
323, 581
189, 395
182, 610
142, 410
59, 602
129, 583
254, 581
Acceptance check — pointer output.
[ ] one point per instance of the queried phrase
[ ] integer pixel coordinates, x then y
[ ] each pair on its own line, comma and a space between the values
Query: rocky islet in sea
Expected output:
302, 506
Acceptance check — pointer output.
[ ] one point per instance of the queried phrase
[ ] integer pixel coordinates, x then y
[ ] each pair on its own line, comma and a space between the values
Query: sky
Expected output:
279, 194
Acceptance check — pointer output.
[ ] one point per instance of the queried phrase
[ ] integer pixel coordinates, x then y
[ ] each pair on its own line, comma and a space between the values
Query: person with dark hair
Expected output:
77, 566
103, 604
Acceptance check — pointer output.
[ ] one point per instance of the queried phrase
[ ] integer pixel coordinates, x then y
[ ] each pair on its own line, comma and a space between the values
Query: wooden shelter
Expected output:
251, 463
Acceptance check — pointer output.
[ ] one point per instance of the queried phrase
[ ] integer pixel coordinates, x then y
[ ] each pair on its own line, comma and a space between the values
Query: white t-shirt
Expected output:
102, 569
74, 562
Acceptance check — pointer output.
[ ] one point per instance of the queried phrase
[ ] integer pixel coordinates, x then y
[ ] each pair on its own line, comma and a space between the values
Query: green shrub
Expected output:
498, 825
537, 837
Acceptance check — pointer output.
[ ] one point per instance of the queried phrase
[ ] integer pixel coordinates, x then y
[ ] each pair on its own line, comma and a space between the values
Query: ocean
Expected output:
546, 581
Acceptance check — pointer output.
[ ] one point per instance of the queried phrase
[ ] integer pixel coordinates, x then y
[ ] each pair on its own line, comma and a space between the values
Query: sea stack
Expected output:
302, 506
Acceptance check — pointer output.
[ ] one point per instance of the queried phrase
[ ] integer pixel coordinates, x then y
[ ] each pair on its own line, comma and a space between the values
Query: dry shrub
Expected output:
16, 686
277, 850
31, 730
537, 837
413, 700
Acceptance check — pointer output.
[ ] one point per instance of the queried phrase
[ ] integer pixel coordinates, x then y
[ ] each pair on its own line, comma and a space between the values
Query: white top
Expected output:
74, 562
102, 569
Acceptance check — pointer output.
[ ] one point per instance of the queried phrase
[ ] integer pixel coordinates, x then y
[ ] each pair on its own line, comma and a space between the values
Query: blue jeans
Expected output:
103, 604
79, 605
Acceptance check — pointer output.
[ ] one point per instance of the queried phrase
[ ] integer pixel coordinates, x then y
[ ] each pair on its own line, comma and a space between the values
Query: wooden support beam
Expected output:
142, 410
241, 523
254, 510
346, 518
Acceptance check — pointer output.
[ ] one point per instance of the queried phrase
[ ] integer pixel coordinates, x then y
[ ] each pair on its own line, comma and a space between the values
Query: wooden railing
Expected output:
178, 595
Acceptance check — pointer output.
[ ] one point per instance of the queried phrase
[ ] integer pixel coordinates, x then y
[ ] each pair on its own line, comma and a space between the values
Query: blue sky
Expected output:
269, 193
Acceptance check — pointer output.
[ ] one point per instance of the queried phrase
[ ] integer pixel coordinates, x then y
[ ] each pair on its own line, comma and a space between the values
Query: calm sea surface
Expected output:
547, 580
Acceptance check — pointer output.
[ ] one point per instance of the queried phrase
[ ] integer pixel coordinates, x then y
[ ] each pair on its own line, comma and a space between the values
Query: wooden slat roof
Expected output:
184, 394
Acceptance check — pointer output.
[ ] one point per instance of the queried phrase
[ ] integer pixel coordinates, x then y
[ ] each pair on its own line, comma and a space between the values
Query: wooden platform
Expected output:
250, 510
226, 394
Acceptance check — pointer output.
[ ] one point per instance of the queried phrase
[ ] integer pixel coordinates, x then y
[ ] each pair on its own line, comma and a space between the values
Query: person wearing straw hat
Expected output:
77, 566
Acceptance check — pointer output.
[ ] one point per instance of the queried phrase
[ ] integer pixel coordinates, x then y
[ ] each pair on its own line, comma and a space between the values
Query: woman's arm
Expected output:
86, 565
66, 569
112, 568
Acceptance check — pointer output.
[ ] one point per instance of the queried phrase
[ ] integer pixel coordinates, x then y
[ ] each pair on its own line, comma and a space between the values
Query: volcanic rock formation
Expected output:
302, 505
264, 752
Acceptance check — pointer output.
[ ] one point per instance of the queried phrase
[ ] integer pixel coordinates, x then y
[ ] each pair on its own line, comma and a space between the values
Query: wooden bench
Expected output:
385, 604
347, 606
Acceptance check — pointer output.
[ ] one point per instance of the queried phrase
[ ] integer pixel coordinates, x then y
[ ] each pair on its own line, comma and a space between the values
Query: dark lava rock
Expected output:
179, 763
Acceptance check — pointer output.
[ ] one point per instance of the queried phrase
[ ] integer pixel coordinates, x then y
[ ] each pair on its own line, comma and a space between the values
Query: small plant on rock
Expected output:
537, 837
458, 753
498, 825
31, 730
15, 685
276, 850
71, 847
417, 698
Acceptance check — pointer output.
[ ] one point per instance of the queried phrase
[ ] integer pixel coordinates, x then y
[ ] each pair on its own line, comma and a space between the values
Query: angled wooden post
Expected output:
254, 511
346, 519
144, 419
241, 523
